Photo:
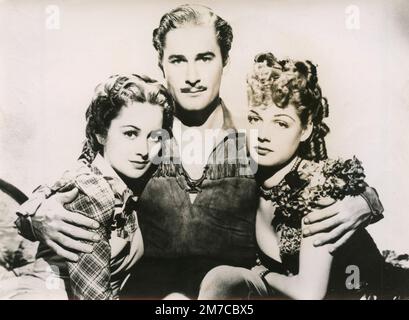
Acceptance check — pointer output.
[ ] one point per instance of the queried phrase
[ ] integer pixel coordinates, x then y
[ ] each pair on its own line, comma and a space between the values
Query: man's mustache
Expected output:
193, 89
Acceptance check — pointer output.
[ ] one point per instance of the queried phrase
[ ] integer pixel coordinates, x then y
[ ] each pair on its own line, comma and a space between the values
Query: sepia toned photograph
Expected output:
215, 150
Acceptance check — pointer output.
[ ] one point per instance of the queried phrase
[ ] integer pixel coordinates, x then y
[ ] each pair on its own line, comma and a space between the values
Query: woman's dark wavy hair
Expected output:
193, 15
109, 98
297, 84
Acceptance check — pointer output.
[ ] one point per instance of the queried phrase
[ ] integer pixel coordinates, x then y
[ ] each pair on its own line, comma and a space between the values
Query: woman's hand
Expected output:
259, 269
61, 229
338, 222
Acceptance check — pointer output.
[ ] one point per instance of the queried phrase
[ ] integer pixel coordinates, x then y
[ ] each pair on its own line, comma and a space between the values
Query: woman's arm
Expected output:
312, 280
315, 262
90, 276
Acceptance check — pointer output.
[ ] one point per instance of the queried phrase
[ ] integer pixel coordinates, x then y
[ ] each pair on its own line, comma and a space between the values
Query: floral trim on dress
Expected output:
312, 185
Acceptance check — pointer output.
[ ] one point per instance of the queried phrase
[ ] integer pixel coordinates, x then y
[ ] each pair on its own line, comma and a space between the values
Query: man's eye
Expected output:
252, 119
282, 124
176, 61
206, 59
131, 134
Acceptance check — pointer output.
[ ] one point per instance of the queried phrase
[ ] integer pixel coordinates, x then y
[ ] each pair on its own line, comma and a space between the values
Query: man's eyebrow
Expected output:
284, 115
177, 56
205, 54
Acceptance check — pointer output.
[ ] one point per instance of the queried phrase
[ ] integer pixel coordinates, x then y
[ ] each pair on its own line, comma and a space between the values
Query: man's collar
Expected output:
226, 130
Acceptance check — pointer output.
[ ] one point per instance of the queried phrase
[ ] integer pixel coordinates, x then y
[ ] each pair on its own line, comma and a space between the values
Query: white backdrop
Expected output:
53, 53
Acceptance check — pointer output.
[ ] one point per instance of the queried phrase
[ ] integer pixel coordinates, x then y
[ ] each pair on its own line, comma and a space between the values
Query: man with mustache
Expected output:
194, 215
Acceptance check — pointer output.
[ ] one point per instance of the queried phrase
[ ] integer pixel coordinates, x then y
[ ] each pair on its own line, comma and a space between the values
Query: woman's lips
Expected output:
139, 164
262, 151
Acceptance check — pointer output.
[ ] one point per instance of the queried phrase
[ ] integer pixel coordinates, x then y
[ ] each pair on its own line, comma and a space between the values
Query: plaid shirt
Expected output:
106, 199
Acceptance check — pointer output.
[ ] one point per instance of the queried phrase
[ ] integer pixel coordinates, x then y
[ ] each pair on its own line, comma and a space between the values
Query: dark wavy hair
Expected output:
289, 82
109, 98
193, 15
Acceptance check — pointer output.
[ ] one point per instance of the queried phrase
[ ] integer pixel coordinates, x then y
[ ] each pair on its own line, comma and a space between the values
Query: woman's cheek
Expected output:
122, 144
288, 143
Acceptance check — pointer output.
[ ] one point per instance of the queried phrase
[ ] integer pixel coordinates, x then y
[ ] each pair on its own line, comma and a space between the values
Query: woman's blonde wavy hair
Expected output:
289, 82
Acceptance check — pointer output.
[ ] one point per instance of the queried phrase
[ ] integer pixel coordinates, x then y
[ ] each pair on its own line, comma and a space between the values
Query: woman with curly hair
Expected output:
295, 177
126, 120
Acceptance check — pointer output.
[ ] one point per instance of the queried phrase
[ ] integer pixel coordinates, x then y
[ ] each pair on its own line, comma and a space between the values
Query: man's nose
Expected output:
192, 76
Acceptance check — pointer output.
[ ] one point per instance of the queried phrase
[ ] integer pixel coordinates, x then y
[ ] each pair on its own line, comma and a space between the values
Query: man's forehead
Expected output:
191, 40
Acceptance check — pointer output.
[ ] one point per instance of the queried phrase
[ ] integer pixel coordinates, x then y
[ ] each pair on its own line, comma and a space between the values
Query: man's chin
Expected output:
193, 104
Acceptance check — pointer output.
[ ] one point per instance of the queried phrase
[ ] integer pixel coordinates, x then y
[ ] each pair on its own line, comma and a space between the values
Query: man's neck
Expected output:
199, 139
210, 117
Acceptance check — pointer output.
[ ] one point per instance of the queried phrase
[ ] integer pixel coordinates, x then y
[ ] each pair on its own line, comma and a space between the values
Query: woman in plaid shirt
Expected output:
125, 123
